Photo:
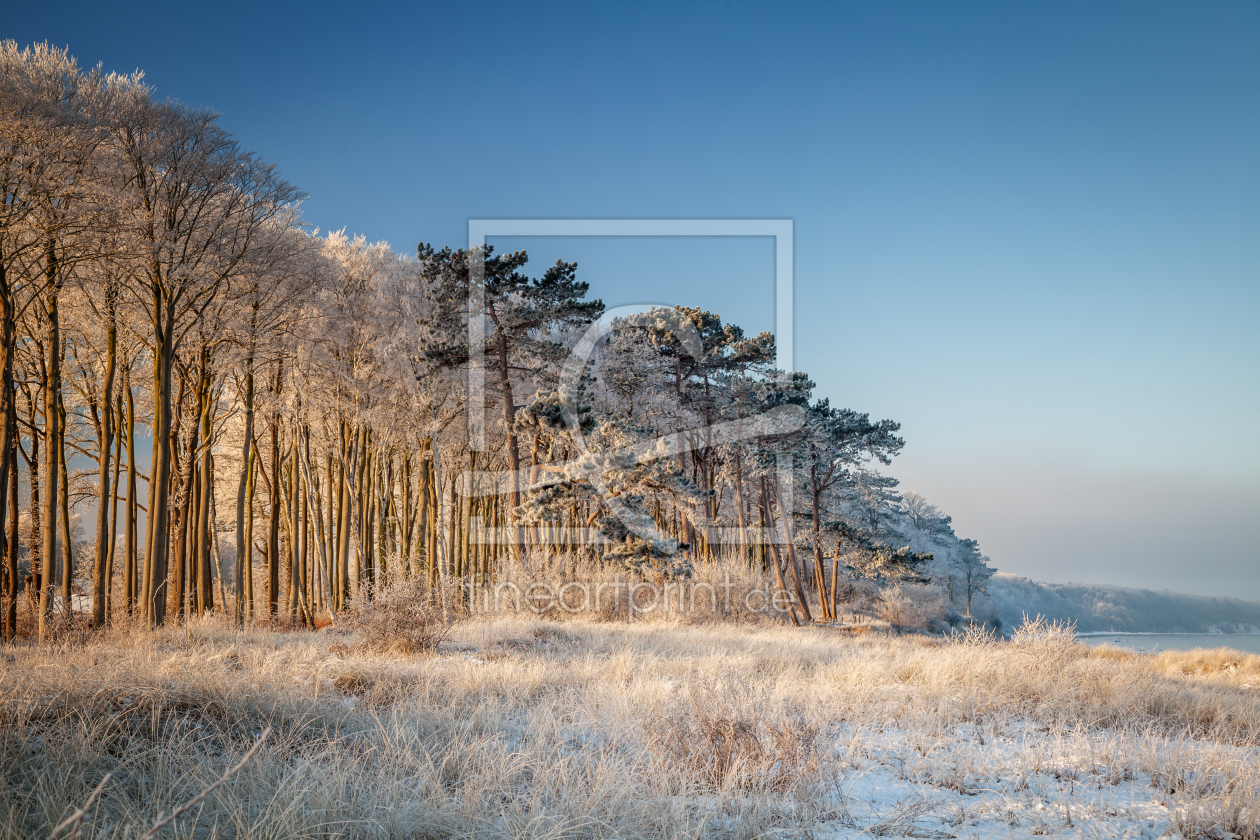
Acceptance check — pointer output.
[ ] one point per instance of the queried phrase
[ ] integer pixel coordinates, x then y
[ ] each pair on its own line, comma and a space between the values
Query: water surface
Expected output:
1154, 642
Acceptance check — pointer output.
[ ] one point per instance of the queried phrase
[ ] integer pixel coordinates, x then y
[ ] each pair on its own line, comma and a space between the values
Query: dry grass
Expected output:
726, 736
405, 617
529, 728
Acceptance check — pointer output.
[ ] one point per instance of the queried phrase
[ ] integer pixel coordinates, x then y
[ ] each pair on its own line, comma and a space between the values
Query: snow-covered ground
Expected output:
1007, 779
908, 763
528, 728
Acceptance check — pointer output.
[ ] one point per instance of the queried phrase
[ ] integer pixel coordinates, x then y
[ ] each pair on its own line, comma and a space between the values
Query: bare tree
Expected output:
194, 202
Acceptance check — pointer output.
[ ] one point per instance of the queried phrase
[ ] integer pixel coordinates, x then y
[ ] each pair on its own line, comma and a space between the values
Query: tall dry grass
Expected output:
521, 727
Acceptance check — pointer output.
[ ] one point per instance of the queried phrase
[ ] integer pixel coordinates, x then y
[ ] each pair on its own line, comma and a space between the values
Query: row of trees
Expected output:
234, 400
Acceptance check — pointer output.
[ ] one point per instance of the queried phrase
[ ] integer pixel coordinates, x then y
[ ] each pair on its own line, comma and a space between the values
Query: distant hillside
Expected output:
1107, 608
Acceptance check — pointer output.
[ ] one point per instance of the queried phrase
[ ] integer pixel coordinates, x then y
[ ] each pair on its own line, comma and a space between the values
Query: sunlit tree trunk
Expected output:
131, 587
820, 577
110, 555
105, 512
790, 547
294, 511
181, 584
246, 563
10, 612
160, 472
273, 524
52, 450
212, 535
333, 492
243, 547
407, 521
205, 487
774, 551
739, 507
513, 448
63, 503
343, 524
8, 446
369, 524
359, 510
315, 530
35, 536
424, 550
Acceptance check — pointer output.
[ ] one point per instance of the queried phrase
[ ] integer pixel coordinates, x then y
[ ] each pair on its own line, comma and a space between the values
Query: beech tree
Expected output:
194, 202
52, 201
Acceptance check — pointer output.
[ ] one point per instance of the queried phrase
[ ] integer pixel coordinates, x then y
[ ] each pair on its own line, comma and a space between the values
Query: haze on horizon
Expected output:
1028, 233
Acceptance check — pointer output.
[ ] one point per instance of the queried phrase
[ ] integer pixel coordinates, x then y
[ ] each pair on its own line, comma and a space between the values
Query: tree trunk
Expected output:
333, 473
514, 452
294, 515
181, 585
246, 563
205, 486
359, 510
466, 536
160, 471
316, 504
774, 551
343, 525
369, 522
791, 548
820, 577
105, 513
273, 524
52, 456
408, 521
243, 494
422, 514
8, 449
835, 579
216, 569
35, 537
304, 491
10, 611
130, 588
113, 510
739, 506
184, 586
63, 502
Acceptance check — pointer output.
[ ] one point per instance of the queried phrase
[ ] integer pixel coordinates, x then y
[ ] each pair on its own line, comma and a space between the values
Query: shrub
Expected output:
1050, 645
913, 607
406, 617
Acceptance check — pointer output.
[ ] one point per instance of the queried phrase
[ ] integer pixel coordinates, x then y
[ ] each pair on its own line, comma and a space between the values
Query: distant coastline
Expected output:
1101, 610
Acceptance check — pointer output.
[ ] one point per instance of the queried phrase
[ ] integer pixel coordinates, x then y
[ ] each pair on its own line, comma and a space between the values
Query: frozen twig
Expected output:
75, 820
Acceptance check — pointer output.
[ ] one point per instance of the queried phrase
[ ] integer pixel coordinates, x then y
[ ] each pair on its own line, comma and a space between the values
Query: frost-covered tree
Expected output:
192, 203
836, 446
518, 316
957, 566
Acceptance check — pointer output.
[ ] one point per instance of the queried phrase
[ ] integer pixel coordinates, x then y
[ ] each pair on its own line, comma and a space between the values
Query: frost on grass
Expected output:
407, 616
519, 728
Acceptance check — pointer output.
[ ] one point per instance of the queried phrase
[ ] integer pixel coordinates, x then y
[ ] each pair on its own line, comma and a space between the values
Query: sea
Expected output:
1155, 642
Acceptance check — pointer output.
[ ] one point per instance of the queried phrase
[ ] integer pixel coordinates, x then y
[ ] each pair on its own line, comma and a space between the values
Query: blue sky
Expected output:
1029, 232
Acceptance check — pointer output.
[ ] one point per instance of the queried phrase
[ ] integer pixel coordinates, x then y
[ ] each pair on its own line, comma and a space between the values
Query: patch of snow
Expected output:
1000, 780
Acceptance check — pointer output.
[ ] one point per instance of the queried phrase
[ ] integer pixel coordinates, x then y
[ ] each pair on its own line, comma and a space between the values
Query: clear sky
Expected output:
1029, 232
